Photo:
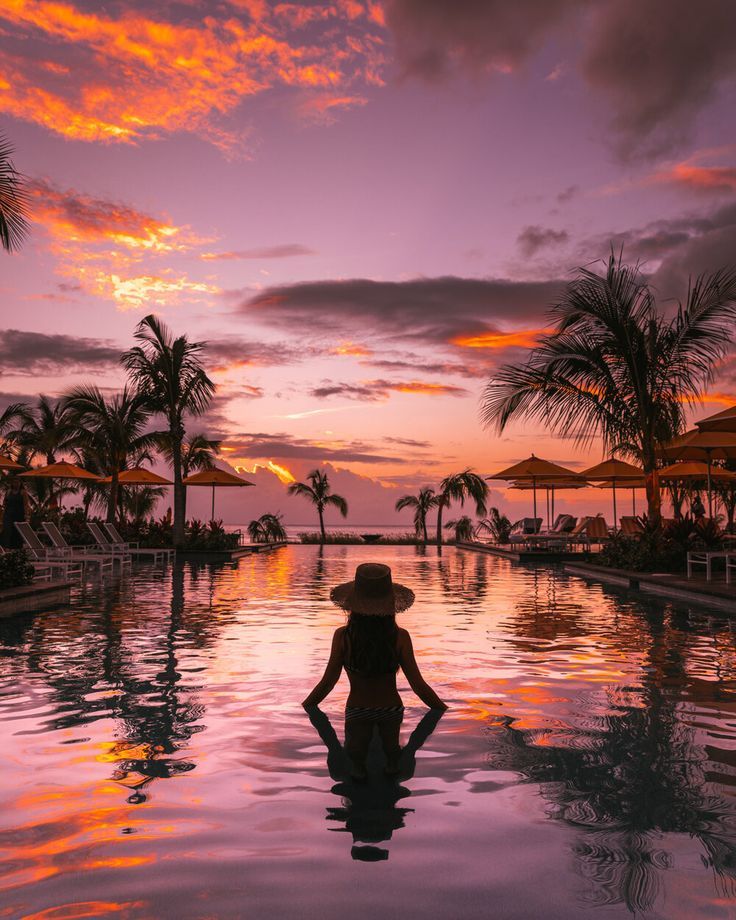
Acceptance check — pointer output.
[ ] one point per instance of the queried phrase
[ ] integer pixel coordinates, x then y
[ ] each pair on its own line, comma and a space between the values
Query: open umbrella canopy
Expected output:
523, 486
215, 477
694, 471
613, 470
137, 476
701, 445
721, 421
7, 464
535, 469
62, 471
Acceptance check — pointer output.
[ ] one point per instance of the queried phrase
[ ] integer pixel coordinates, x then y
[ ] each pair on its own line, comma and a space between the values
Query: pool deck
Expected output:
525, 555
37, 596
227, 555
713, 594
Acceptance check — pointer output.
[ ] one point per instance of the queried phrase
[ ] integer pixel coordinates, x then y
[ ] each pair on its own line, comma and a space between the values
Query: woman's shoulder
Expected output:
403, 634
339, 632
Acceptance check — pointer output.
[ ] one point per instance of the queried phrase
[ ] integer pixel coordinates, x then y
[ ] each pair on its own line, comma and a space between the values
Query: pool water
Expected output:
156, 761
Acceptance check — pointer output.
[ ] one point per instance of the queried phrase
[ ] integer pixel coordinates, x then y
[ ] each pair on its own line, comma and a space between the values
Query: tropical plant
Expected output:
677, 492
16, 569
169, 372
459, 487
13, 201
496, 525
726, 491
197, 453
317, 491
43, 430
268, 528
109, 430
209, 537
11, 420
463, 527
422, 503
618, 367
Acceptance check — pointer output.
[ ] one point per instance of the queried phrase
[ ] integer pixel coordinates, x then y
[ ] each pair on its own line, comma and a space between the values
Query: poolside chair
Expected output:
120, 552
526, 527
631, 526
161, 552
597, 529
87, 555
45, 556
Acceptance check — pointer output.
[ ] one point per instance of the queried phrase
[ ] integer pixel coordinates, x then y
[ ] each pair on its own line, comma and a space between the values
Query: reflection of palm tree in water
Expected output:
623, 780
369, 809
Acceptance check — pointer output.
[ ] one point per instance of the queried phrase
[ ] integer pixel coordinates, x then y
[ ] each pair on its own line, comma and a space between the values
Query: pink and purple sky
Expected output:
363, 206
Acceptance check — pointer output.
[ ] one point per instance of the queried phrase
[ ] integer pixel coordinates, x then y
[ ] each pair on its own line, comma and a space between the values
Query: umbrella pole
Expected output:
534, 488
553, 503
633, 502
547, 497
614, 505
212, 515
710, 496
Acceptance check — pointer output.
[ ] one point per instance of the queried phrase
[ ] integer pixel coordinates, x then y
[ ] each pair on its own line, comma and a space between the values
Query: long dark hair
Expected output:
370, 645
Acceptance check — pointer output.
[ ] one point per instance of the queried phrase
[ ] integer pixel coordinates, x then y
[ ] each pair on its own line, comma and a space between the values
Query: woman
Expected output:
14, 510
371, 648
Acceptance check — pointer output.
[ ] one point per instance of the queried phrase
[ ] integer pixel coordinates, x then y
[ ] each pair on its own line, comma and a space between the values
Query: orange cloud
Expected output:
526, 338
349, 349
703, 178
134, 292
428, 389
136, 76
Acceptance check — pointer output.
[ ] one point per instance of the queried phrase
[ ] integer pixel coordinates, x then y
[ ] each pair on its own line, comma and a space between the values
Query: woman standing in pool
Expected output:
372, 648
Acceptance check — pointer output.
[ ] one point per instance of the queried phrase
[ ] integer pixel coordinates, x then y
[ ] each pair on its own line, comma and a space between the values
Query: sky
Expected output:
363, 207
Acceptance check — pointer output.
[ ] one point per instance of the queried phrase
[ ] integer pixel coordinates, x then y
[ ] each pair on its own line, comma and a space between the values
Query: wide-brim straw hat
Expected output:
372, 592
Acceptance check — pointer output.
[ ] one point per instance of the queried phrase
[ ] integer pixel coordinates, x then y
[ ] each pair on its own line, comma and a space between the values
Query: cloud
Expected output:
222, 355
284, 251
718, 179
415, 363
568, 194
183, 67
408, 442
429, 310
34, 354
533, 238
377, 390
283, 446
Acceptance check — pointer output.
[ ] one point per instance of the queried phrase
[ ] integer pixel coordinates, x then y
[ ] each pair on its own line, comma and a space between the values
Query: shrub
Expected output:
210, 537
15, 569
661, 550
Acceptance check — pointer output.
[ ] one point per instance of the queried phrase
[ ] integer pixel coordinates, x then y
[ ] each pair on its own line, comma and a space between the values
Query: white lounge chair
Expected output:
135, 550
120, 552
45, 557
87, 555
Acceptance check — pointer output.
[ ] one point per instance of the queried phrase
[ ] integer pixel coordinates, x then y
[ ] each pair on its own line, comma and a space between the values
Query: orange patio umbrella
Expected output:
138, 476
62, 470
694, 471
702, 445
7, 464
215, 478
721, 421
535, 470
613, 471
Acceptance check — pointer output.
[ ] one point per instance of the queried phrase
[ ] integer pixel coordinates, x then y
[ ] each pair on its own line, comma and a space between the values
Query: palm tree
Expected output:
617, 367
109, 430
497, 525
169, 372
13, 201
12, 419
458, 487
197, 453
44, 430
463, 528
317, 490
422, 503
268, 528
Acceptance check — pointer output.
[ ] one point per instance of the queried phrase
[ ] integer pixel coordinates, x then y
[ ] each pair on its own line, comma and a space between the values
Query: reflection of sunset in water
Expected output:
157, 761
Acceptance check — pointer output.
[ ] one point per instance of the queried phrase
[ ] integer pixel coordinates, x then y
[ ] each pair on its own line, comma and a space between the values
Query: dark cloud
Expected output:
408, 442
435, 38
236, 352
11, 399
285, 447
376, 390
533, 238
447, 368
428, 310
284, 251
568, 194
35, 354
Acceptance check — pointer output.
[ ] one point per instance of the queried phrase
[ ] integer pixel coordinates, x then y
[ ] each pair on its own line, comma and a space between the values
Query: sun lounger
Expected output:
87, 555
120, 552
46, 556
631, 526
157, 553
526, 527
706, 557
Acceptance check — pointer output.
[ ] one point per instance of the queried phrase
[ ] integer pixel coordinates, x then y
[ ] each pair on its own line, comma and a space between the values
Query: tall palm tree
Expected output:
197, 453
109, 430
617, 367
422, 503
170, 373
317, 490
458, 487
13, 201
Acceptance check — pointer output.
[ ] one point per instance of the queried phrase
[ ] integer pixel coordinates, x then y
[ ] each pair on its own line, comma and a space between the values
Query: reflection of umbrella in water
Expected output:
216, 478
702, 445
614, 471
551, 487
534, 470
62, 471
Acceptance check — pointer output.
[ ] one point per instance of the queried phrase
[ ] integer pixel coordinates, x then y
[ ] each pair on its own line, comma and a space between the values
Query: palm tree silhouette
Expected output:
268, 528
13, 201
422, 503
317, 490
170, 373
197, 453
617, 367
109, 431
463, 528
43, 430
458, 487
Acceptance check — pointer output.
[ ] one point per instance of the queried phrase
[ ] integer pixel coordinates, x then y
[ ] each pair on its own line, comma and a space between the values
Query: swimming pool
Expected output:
157, 763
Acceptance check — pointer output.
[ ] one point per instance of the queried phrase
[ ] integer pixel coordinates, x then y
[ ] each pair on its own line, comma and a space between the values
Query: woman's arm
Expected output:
411, 670
332, 672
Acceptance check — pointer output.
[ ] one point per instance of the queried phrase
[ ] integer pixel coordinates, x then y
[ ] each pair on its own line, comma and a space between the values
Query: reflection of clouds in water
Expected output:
369, 808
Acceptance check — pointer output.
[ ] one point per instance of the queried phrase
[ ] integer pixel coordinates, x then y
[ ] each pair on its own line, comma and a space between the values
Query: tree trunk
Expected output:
177, 436
654, 495
112, 499
440, 508
321, 524
424, 528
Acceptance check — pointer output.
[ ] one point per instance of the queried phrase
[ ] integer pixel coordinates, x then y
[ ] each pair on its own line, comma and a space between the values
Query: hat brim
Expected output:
400, 599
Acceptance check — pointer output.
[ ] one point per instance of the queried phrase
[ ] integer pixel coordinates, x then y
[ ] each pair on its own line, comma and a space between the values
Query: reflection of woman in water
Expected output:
371, 648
